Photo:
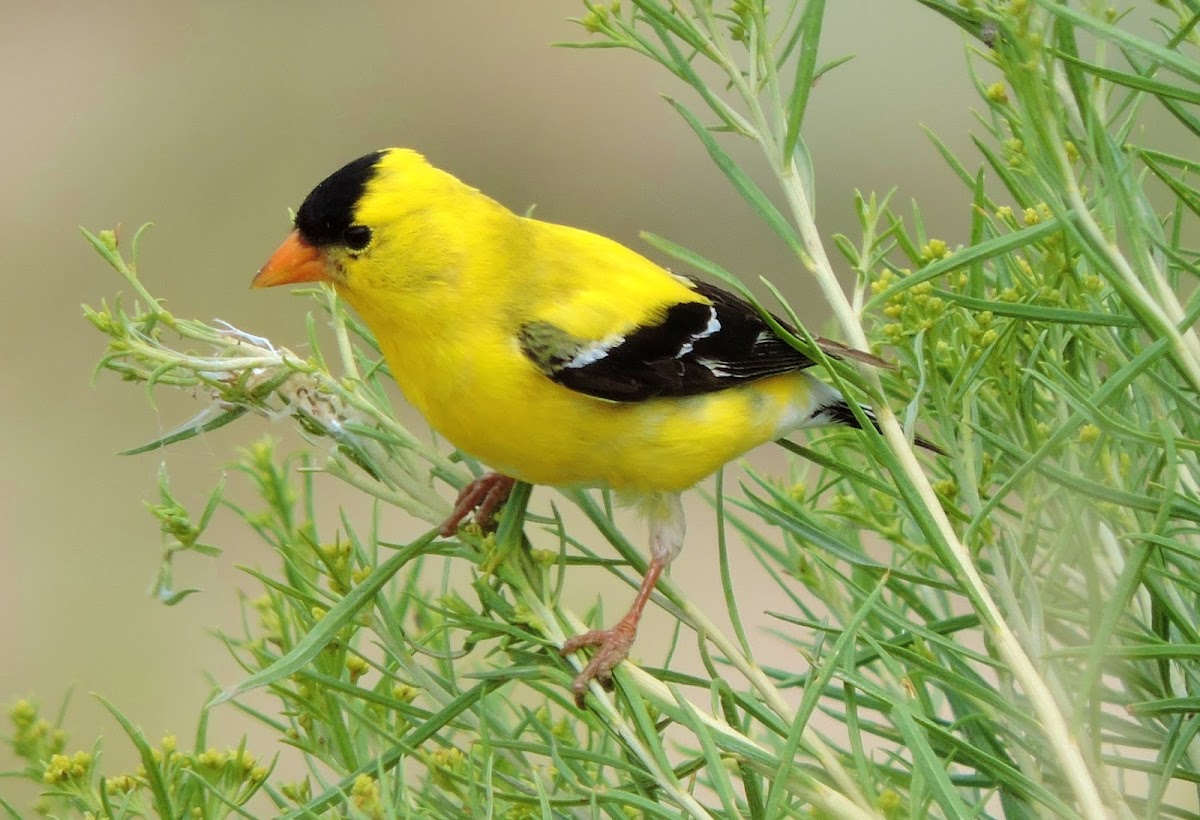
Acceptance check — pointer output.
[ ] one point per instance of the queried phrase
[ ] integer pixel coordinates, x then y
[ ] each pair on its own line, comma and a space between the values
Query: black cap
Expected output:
329, 209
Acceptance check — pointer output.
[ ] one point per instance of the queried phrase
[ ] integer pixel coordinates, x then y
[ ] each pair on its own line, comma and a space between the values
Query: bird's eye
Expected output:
357, 237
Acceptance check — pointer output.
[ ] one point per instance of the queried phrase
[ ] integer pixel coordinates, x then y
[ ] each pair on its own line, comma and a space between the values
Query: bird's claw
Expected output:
484, 496
613, 647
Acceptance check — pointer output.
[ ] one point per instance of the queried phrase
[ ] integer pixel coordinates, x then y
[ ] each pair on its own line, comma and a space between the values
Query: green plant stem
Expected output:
1057, 731
1066, 747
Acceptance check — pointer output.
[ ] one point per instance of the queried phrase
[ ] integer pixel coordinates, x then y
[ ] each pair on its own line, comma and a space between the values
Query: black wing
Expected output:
695, 348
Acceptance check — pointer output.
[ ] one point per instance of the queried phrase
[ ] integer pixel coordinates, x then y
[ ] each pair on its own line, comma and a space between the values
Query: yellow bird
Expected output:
551, 354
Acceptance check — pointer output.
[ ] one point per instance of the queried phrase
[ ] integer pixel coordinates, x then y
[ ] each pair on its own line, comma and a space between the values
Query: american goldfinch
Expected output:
551, 354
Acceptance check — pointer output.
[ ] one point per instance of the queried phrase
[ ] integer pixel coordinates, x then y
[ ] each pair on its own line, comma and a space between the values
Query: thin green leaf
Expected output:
742, 182
154, 775
810, 40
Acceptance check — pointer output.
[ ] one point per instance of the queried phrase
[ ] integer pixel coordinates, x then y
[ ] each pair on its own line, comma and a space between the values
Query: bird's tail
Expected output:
831, 407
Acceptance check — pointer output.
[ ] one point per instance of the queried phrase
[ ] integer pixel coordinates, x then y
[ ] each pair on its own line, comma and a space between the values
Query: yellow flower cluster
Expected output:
915, 309
598, 17
34, 739
299, 792
121, 784
365, 796
68, 768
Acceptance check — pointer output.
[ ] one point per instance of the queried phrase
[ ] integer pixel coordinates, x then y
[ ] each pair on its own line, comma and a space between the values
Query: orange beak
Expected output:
293, 262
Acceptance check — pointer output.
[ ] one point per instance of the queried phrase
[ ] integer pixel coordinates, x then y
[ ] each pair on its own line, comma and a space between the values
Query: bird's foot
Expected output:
613, 647
483, 496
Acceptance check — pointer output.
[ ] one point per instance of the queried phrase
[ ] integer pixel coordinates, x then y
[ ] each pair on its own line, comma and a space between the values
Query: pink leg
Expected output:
483, 496
613, 643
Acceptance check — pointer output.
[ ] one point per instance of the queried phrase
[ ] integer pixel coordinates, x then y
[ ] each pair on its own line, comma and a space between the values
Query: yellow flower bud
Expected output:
357, 667
22, 713
404, 692
935, 249
211, 759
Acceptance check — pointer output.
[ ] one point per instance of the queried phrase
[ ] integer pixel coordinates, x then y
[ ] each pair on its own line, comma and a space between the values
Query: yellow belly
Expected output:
504, 412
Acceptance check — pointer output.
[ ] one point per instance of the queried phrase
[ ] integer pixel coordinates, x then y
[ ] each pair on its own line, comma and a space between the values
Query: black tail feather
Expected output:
841, 413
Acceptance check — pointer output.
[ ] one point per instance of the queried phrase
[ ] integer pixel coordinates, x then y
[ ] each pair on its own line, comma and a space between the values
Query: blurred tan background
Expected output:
211, 119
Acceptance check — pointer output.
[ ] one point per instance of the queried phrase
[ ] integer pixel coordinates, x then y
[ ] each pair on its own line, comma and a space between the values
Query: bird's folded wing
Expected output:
686, 348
